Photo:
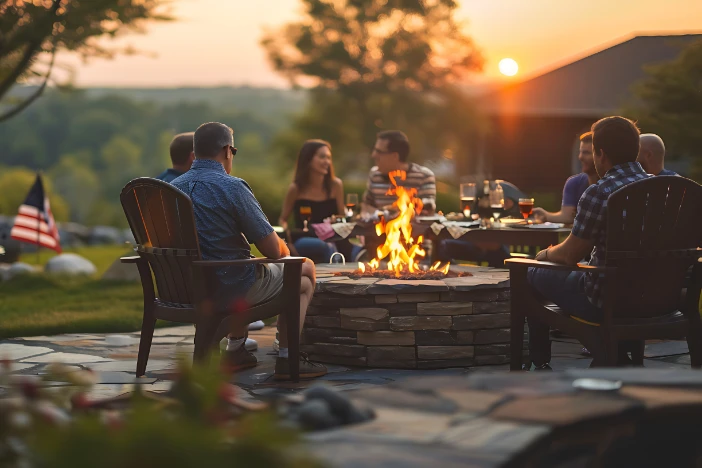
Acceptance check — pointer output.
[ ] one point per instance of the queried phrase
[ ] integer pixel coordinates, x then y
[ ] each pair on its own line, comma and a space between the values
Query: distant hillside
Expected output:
273, 104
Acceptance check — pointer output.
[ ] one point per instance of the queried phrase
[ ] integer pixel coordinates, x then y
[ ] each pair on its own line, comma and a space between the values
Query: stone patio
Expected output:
116, 365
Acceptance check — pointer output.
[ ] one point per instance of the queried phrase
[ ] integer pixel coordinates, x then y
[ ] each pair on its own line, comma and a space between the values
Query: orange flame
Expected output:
400, 249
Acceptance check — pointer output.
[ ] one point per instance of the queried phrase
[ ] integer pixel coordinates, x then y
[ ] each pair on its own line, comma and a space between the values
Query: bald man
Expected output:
652, 155
182, 157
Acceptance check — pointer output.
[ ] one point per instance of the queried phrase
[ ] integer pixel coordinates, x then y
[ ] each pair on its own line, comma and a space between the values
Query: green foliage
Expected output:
14, 186
29, 31
378, 64
670, 104
199, 424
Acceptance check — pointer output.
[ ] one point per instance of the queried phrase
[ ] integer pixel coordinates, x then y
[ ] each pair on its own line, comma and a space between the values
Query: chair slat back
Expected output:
653, 229
162, 221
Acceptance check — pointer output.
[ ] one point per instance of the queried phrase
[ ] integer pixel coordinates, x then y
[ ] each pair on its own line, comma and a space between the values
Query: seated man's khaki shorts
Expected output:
268, 284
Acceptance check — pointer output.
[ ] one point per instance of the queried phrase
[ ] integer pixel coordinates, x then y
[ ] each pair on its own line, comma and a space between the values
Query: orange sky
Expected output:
215, 42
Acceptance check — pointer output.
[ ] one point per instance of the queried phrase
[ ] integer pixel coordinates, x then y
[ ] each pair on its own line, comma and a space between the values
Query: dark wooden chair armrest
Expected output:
132, 259
247, 261
526, 262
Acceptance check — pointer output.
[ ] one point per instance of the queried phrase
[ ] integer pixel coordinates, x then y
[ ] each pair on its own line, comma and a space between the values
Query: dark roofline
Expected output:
590, 53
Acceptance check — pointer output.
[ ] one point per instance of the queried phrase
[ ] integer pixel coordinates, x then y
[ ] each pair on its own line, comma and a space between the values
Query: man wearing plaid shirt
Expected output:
615, 148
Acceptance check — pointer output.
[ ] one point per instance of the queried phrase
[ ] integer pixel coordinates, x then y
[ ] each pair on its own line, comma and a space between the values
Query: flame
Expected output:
401, 251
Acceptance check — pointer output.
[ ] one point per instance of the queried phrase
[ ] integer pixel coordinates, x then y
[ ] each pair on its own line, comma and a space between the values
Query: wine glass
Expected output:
306, 215
526, 206
468, 193
497, 201
351, 202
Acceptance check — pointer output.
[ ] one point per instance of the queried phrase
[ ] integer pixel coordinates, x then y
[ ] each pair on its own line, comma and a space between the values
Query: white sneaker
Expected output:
251, 345
276, 343
257, 325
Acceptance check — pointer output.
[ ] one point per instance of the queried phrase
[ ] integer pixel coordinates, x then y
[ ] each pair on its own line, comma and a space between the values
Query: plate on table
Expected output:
430, 219
511, 220
538, 226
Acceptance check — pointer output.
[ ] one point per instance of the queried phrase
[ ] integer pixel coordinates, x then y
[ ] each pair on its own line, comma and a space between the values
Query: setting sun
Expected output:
508, 67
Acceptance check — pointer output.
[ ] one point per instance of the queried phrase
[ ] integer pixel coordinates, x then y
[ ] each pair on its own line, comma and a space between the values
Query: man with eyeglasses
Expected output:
390, 153
228, 219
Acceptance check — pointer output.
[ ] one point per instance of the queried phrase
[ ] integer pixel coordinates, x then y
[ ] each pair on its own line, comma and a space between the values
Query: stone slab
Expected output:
391, 363
321, 321
393, 286
498, 335
443, 338
335, 350
491, 308
386, 338
445, 352
339, 300
372, 313
492, 350
15, 351
363, 324
186, 330
420, 323
344, 360
391, 353
495, 360
445, 308
419, 297
319, 310
480, 322
66, 358
130, 365
481, 295
385, 299
402, 310
327, 335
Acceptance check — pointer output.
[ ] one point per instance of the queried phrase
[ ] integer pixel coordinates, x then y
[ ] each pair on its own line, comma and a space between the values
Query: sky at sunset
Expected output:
216, 42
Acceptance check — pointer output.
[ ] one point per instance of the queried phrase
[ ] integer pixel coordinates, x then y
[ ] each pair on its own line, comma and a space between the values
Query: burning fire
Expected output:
402, 251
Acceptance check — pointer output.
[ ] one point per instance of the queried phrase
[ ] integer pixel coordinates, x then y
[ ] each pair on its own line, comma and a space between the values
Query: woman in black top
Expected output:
314, 195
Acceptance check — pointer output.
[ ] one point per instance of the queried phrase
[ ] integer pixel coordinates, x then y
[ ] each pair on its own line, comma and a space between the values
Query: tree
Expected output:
32, 32
670, 104
15, 184
373, 64
77, 184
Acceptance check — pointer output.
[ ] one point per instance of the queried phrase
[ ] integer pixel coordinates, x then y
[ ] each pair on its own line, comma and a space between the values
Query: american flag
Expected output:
34, 223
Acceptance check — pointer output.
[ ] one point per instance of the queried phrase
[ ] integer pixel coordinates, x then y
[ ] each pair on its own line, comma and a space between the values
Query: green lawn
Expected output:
49, 305
45, 305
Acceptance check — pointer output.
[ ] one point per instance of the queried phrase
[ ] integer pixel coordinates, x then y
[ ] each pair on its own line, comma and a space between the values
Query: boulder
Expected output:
105, 235
119, 271
70, 264
17, 269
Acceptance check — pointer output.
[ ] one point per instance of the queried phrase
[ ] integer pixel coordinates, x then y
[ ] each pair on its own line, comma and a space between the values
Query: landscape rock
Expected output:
70, 264
17, 269
105, 235
119, 271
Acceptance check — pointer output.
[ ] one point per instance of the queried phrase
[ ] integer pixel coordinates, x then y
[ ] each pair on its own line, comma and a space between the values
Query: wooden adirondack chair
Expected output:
654, 228
162, 221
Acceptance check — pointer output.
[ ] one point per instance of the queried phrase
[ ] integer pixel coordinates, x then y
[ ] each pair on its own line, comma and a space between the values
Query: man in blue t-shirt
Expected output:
228, 219
574, 187
652, 155
182, 157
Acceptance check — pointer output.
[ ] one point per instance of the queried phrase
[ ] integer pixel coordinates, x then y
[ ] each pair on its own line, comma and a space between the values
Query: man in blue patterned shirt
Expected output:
615, 143
228, 218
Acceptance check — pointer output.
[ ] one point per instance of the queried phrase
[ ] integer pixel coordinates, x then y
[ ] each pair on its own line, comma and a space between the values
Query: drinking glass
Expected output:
351, 202
468, 193
526, 206
497, 201
306, 215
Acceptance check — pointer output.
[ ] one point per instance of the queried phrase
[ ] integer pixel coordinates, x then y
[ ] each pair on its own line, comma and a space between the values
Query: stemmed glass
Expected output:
468, 193
497, 201
526, 206
351, 202
306, 215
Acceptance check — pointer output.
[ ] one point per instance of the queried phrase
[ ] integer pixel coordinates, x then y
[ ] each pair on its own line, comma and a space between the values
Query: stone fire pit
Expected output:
409, 324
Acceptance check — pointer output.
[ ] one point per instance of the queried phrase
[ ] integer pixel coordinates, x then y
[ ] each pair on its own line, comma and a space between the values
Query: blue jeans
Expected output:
567, 290
315, 249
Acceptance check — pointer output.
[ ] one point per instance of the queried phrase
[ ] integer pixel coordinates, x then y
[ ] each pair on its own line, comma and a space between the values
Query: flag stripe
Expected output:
30, 235
30, 211
32, 223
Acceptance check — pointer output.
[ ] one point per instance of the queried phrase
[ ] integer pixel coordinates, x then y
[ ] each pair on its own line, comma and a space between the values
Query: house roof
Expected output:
595, 85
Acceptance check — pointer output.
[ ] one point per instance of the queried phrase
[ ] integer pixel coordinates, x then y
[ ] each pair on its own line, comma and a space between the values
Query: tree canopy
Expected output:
670, 104
32, 32
375, 64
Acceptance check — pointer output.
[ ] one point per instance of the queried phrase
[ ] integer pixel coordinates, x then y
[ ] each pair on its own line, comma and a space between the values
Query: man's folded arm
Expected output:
272, 246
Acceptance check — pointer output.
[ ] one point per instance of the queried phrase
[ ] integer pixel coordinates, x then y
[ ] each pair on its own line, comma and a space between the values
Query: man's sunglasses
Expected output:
233, 150
379, 151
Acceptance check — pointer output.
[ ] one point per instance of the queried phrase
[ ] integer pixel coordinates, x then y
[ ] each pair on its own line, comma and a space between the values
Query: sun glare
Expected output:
508, 67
